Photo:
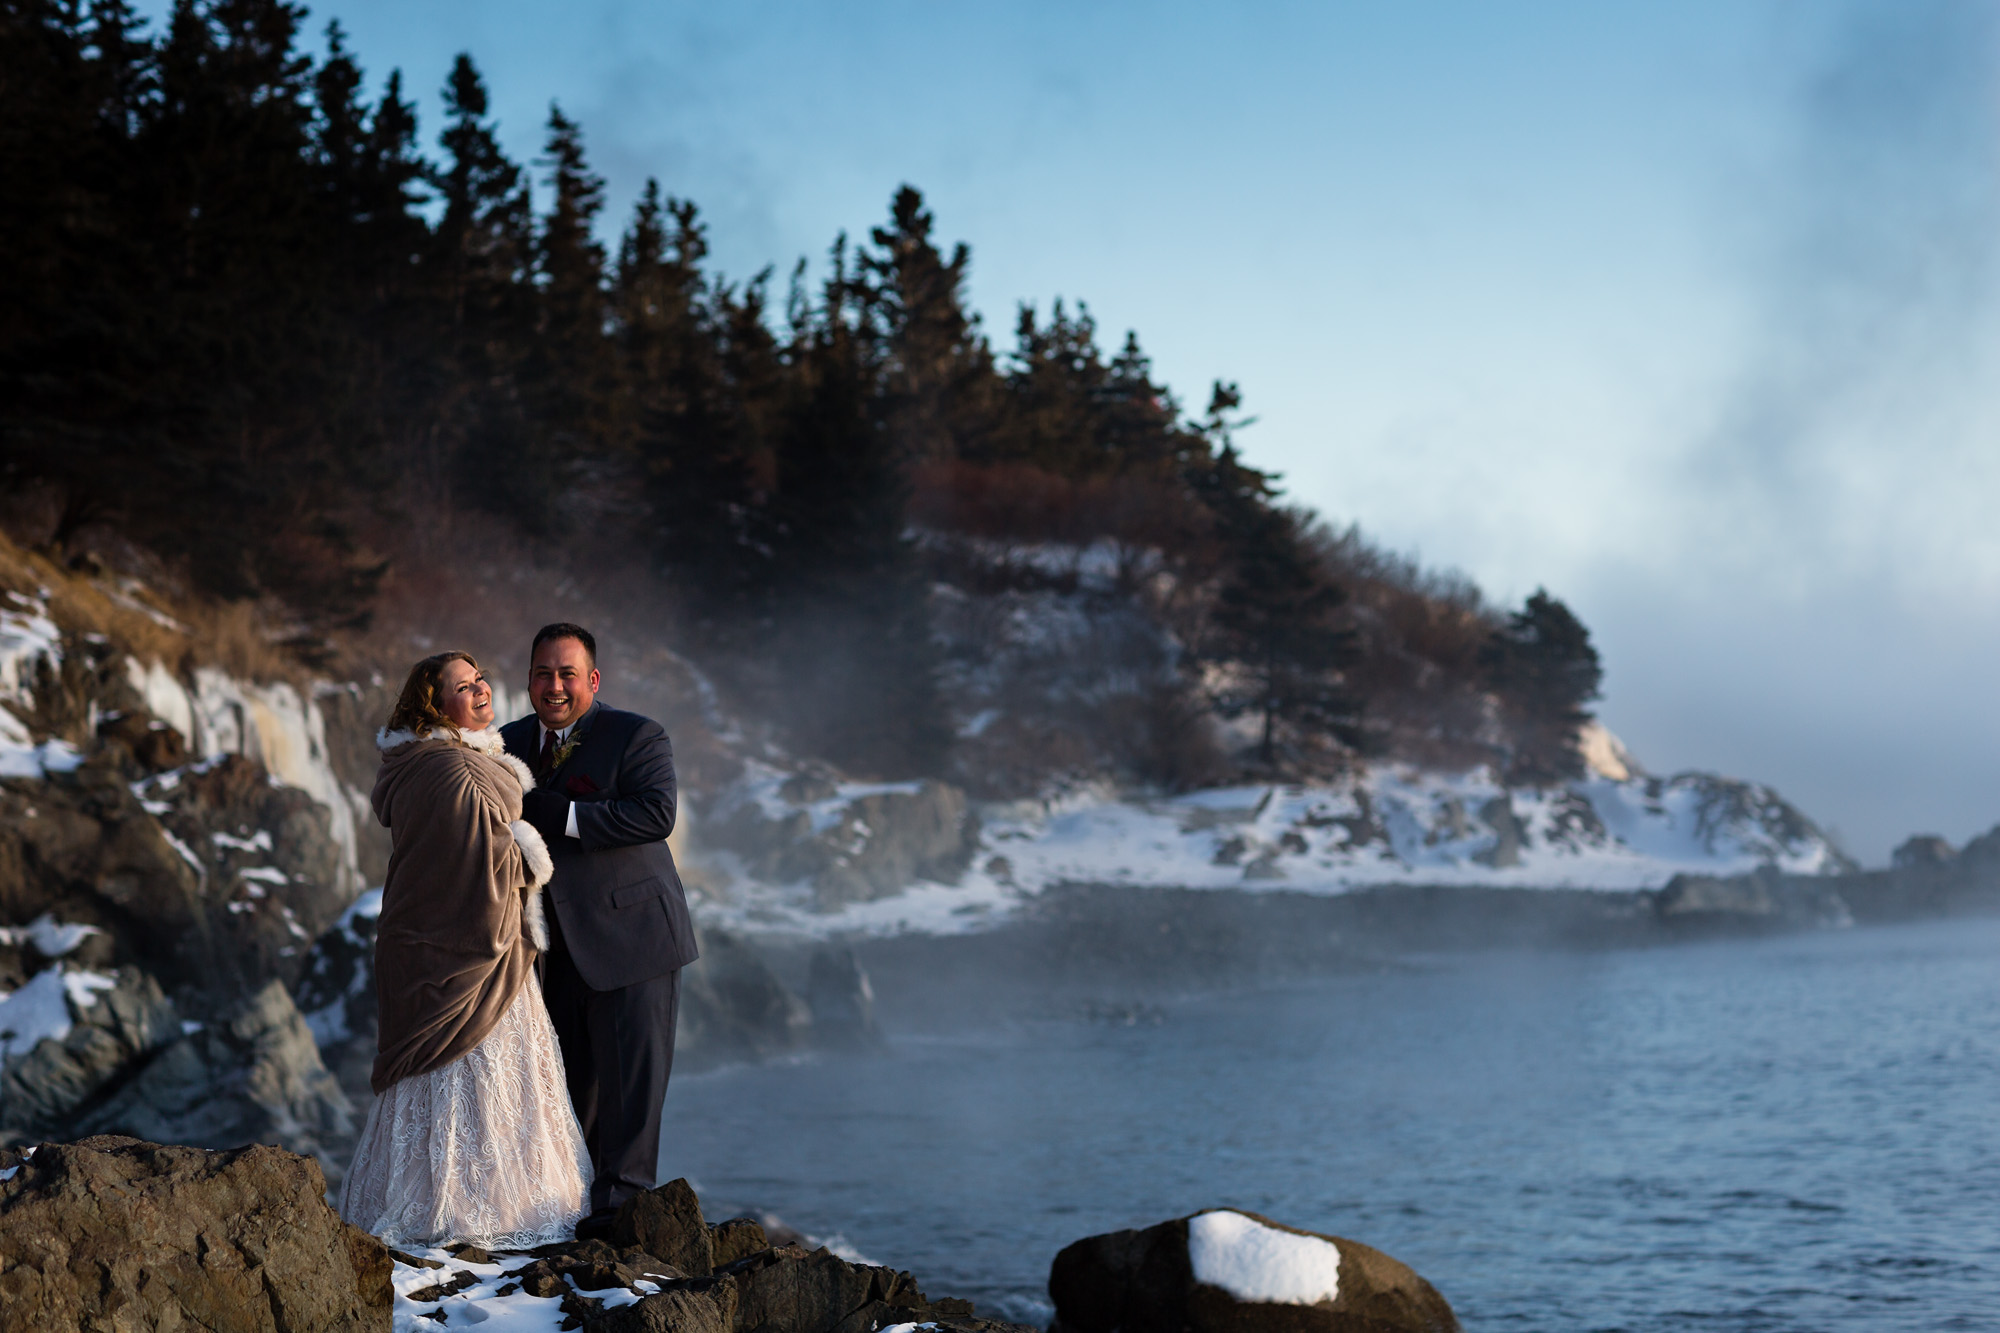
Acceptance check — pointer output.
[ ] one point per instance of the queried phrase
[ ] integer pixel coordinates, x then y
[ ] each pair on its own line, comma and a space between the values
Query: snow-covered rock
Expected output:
274, 723
30, 646
1226, 1271
1254, 1262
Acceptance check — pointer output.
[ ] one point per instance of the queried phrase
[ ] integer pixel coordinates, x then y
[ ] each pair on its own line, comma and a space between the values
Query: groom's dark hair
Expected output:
562, 629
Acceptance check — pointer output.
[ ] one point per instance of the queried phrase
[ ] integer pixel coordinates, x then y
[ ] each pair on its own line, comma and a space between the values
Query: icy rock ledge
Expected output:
116, 1232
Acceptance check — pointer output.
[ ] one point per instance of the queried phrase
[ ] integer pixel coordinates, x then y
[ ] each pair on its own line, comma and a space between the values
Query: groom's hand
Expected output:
548, 811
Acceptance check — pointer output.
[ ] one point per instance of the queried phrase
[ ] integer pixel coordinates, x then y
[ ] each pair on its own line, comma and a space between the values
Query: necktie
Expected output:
548, 750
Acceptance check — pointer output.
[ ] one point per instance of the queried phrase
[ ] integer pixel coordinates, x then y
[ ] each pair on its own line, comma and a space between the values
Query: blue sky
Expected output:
1682, 310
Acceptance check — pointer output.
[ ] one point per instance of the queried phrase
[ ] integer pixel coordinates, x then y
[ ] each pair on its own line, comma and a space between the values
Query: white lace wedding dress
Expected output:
484, 1150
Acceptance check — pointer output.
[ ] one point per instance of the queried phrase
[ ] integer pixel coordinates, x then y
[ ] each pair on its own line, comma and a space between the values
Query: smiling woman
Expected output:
446, 690
471, 1136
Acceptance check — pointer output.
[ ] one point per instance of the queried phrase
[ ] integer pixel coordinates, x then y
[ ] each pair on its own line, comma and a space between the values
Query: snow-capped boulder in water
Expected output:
1226, 1271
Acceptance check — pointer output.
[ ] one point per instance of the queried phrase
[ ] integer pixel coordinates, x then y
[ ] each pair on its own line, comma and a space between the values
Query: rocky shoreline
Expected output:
113, 1232
1086, 937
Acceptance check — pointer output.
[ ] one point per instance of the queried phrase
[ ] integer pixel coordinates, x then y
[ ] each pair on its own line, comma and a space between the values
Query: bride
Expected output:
471, 1137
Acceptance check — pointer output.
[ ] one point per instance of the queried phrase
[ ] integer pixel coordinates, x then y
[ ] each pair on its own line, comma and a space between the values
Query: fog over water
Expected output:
1793, 1134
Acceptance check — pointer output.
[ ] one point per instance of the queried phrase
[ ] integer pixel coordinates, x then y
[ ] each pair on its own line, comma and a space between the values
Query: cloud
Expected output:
1857, 438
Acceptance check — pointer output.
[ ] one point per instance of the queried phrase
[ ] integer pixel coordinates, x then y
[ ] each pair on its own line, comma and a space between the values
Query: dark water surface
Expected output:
1801, 1133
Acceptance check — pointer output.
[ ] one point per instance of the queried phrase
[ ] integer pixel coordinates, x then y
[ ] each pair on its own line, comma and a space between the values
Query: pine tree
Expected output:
851, 638
568, 372
482, 250
1053, 385
1543, 669
1274, 630
683, 413
942, 393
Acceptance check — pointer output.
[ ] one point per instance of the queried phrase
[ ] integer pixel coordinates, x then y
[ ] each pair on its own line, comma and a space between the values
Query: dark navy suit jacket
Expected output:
616, 894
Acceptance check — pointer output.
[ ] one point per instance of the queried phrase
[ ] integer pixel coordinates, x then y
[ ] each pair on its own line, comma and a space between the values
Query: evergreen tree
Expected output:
943, 395
254, 342
64, 314
482, 251
1053, 386
683, 405
1543, 669
568, 372
857, 665
1274, 630
1076, 414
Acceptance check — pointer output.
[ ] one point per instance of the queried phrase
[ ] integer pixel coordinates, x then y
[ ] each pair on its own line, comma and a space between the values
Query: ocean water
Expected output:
1783, 1134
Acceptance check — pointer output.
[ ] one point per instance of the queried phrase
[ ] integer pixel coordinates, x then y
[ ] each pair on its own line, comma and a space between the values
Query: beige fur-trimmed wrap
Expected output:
457, 937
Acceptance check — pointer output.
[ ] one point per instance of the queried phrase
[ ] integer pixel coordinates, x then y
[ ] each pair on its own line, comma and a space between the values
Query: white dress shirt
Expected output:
569, 825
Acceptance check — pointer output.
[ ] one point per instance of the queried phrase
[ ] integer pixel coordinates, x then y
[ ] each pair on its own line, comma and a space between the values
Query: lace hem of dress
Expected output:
485, 1150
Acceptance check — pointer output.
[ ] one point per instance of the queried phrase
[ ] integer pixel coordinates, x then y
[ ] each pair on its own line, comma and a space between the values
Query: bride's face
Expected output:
465, 697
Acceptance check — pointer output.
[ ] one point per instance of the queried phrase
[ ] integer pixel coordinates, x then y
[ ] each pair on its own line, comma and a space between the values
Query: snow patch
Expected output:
43, 1008
165, 697
187, 852
51, 938
23, 759
27, 637
481, 1303
1254, 1262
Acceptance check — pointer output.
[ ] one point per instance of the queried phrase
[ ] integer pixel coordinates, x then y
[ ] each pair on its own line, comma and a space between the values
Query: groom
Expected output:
618, 922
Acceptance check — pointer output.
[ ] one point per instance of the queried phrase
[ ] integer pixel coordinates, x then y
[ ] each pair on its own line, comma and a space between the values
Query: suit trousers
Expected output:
618, 1052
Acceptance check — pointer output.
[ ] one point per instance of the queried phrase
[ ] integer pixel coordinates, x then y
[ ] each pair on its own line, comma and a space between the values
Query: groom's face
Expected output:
561, 682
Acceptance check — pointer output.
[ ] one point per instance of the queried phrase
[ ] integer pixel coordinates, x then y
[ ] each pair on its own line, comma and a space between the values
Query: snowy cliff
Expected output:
786, 855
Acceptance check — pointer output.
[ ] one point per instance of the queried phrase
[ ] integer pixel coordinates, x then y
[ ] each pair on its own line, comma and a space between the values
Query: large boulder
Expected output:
1922, 851
113, 1233
734, 1007
842, 1000
1764, 899
1225, 1271
109, 1028
667, 1222
852, 847
256, 1077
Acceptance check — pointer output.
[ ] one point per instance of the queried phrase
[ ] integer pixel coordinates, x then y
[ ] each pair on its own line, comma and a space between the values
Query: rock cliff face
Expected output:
183, 954
181, 905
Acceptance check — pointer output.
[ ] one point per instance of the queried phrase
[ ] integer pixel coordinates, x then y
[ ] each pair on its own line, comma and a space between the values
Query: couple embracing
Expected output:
527, 959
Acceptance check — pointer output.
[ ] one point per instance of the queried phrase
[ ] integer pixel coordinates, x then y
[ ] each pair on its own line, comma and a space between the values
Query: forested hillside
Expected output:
266, 336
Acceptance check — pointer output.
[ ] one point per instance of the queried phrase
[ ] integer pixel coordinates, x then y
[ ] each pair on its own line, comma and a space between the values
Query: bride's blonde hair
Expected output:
417, 708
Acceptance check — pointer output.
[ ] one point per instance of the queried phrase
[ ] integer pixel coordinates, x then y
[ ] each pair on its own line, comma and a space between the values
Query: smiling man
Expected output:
619, 931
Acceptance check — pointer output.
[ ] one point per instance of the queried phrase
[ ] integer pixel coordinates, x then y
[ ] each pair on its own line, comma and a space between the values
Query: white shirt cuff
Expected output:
569, 827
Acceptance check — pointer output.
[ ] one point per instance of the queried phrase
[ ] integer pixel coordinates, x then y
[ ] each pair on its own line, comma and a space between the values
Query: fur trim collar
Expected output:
535, 856
521, 772
486, 742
